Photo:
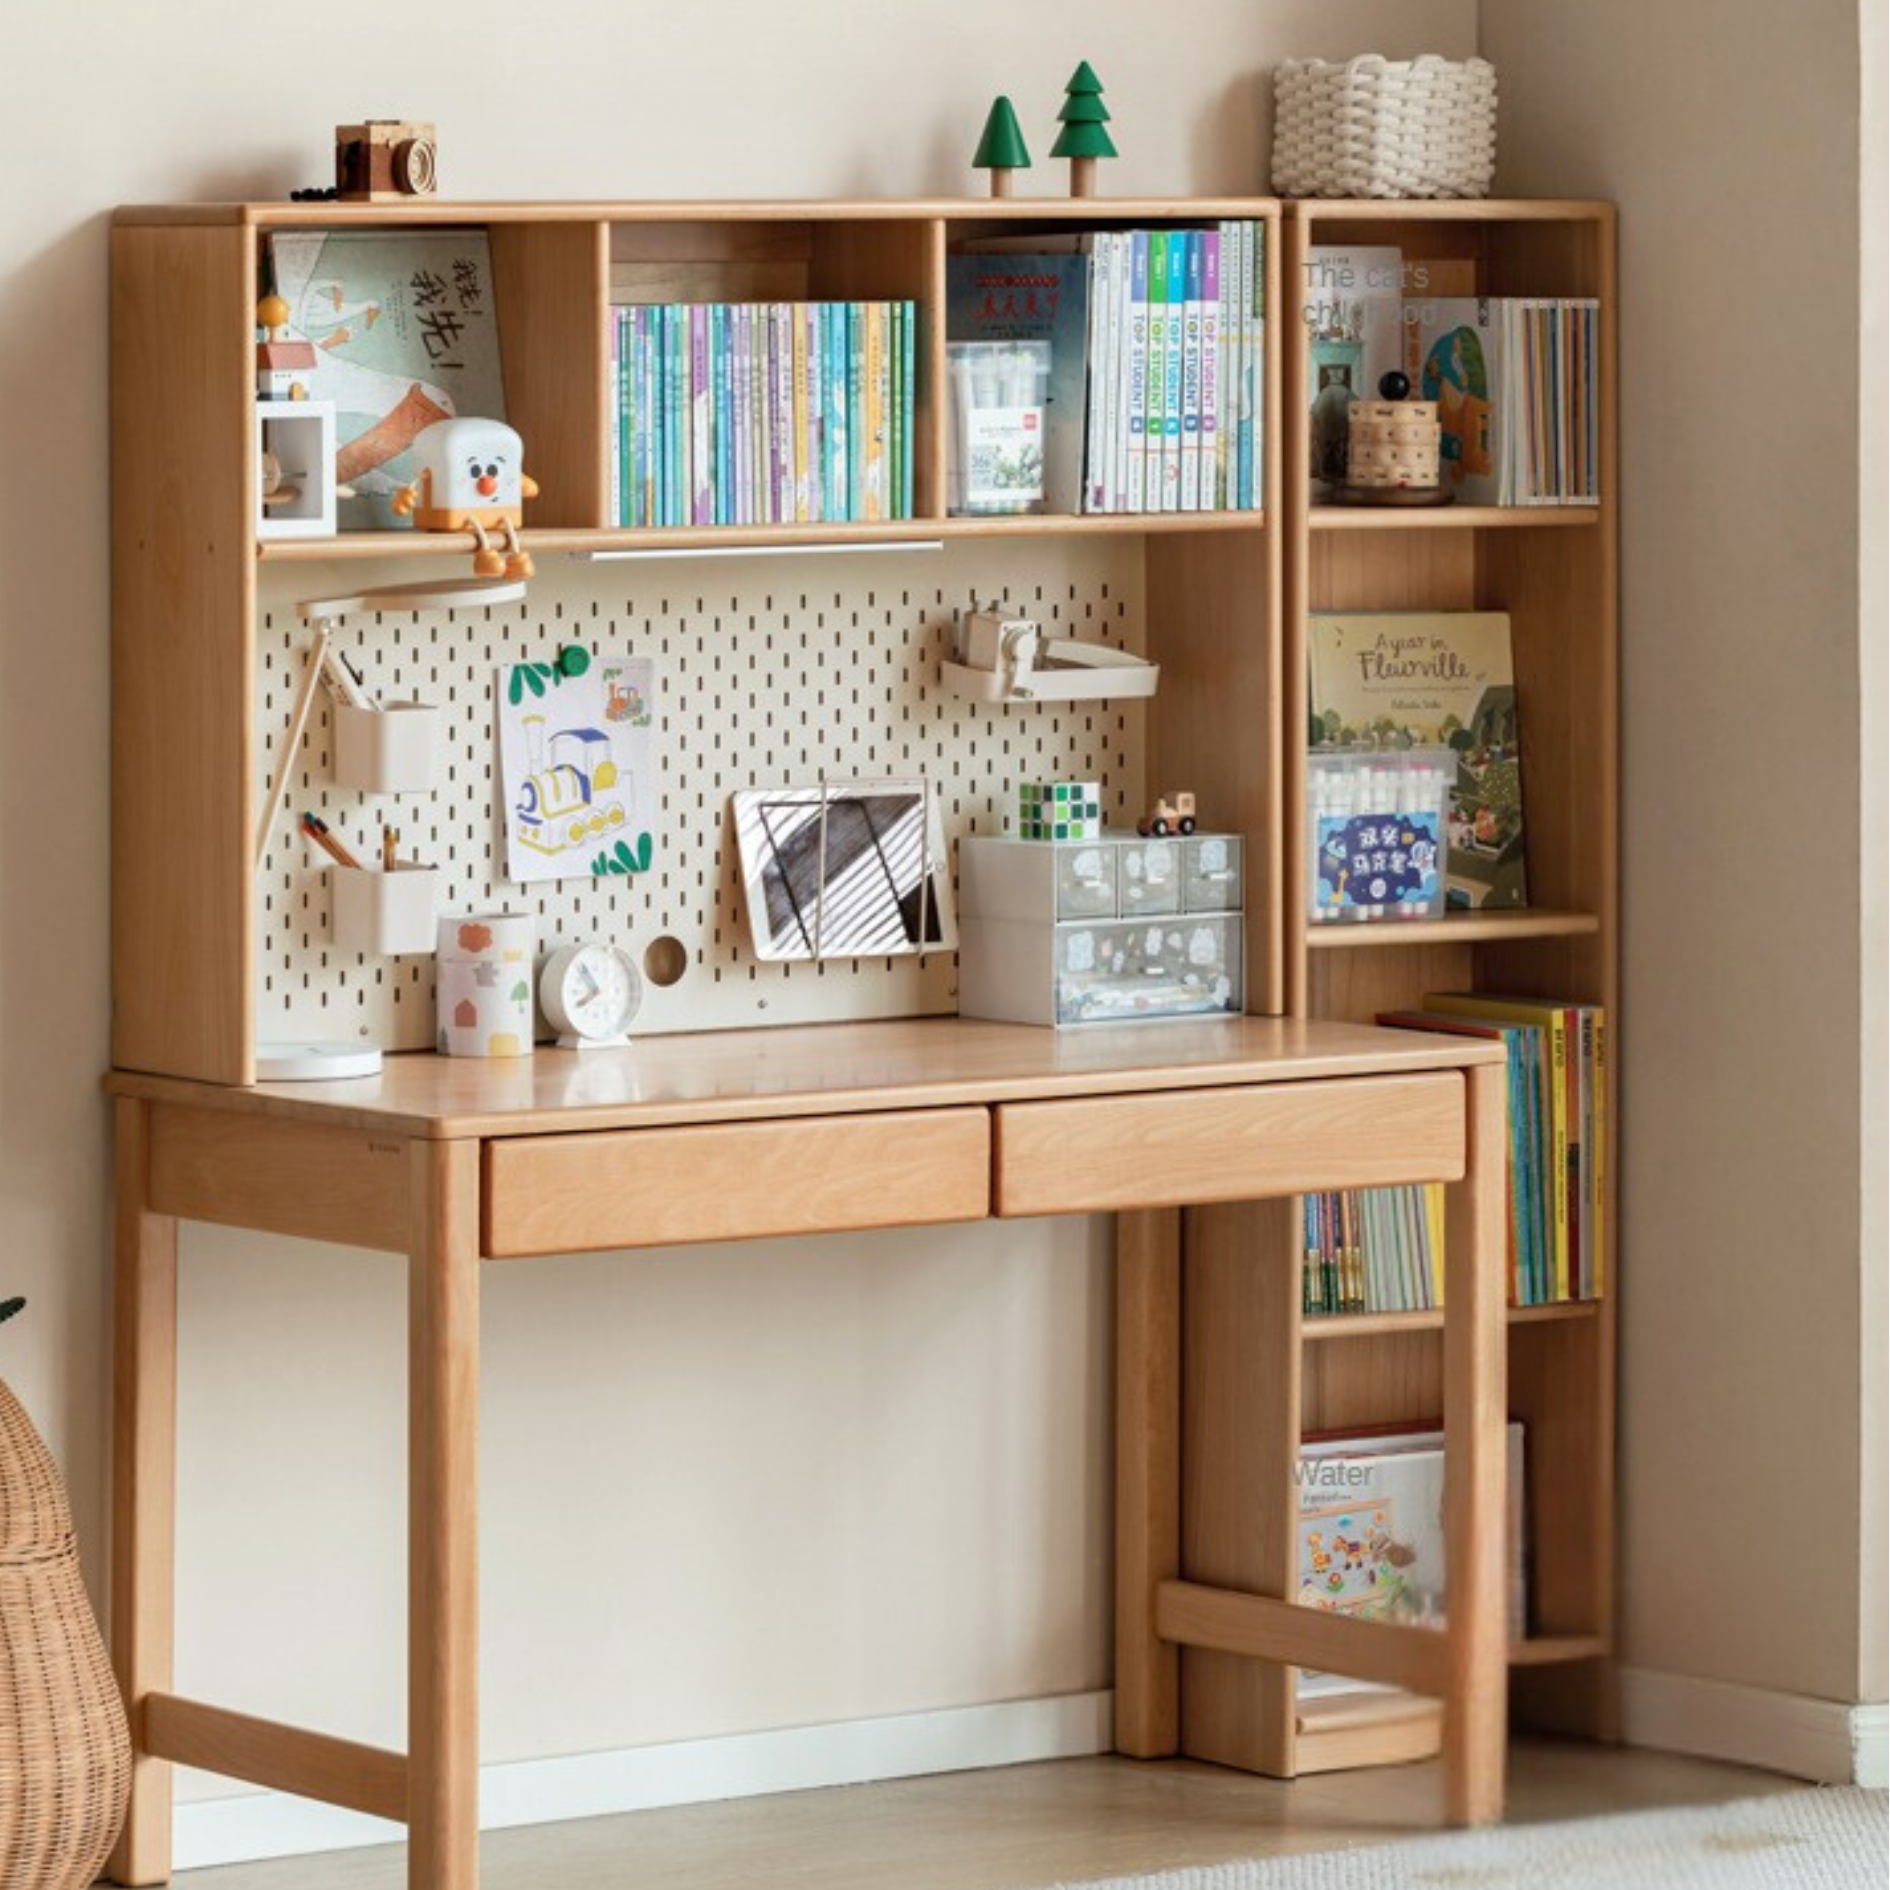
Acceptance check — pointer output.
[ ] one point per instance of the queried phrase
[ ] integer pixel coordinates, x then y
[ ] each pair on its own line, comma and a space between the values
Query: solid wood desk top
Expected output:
820, 1069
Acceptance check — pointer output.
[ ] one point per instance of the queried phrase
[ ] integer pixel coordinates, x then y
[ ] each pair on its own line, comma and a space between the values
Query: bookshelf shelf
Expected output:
1455, 929
1449, 518
1319, 1327
709, 539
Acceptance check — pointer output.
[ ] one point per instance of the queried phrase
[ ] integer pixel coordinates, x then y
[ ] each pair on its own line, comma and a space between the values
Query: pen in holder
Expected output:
383, 912
390, 750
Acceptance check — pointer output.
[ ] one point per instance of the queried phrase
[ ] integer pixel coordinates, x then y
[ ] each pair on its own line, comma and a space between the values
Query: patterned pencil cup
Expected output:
393, 750
383, 913
1059, 810
484, 987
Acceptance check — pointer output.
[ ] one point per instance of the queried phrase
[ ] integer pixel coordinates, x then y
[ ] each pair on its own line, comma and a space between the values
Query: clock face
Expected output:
594, 991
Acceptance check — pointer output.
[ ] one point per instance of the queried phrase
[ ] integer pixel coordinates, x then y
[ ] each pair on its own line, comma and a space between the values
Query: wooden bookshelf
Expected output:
1227, 596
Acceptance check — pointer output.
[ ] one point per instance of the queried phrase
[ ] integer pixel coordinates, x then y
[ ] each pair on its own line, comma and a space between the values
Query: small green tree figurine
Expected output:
1001, 150
1083, 138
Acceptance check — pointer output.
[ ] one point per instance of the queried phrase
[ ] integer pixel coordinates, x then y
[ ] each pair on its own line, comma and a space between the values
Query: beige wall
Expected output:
1751, 1335
869, 1472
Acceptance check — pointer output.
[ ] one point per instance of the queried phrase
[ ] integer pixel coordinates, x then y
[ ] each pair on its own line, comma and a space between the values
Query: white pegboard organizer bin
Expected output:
398, 748
1384, 128
384, 914
765, 675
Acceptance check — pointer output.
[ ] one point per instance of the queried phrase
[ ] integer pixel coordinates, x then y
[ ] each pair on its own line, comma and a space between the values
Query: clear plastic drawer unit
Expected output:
1100, 931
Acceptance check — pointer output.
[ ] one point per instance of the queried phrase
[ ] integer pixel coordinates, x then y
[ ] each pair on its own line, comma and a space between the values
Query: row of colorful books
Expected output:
1558, 1133
1514, 378
1157, 388
1374, 1250
765, 413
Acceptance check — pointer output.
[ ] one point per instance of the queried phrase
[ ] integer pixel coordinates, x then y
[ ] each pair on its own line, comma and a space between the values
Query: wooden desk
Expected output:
744, 1134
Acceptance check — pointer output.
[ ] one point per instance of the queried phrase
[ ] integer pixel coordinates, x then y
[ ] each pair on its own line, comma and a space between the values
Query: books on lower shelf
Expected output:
1374, 1250
1514, 376
1558, 1134
1371, 1535
762, 413
1157, 386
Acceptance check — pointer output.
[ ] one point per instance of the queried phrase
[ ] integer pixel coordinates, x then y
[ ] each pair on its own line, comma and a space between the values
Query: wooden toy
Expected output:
296, 488
472, 479
1172, 813
1083, 138
1392, 449
386, 160
1001, 150
283, 364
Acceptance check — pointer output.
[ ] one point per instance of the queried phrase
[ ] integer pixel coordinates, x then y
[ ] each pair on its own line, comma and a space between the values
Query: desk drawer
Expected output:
1109, 1152
736, 1181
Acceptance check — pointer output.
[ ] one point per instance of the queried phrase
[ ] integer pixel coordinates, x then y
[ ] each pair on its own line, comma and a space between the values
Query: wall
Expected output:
1752, 1323
872, 1470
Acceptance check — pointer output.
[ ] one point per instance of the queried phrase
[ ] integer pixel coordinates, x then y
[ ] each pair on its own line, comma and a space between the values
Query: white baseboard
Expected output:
1825, 1740
239, 1830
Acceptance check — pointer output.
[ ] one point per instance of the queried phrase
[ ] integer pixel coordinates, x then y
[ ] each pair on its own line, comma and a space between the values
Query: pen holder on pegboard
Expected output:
383, 912
397, 749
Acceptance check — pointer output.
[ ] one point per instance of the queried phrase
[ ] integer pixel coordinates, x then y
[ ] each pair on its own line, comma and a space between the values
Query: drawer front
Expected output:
735, 1181
1112, 1152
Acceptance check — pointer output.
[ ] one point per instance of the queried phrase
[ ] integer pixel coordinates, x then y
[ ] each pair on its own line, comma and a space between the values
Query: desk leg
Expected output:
144, 1482
1475, 1470
443, 1519
1148, 1477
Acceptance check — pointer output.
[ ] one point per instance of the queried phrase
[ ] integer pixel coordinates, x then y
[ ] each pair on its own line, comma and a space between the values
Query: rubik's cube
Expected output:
1059, 810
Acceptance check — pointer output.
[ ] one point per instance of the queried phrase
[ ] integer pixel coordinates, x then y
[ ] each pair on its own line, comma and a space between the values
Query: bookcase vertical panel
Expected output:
551, 281
183, 604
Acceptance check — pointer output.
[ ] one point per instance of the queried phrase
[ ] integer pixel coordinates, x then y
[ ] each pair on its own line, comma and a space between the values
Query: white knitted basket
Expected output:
1373, 127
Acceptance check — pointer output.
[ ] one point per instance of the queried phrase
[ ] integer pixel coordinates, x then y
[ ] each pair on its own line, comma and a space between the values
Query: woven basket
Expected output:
65, 1756
1373, 127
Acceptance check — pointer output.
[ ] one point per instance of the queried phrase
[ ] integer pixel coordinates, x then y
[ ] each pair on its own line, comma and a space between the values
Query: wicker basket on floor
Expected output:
1372, 127
65, 1756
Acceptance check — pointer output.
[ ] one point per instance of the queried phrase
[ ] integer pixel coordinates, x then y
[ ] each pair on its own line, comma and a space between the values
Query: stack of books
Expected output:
1158, 337
763, 413
1558, 1128
1374, 1250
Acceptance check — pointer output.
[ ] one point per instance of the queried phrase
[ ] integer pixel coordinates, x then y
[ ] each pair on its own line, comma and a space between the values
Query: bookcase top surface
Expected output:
438, 210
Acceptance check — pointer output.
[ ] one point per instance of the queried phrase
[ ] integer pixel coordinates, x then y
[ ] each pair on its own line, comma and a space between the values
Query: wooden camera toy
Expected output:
387, 160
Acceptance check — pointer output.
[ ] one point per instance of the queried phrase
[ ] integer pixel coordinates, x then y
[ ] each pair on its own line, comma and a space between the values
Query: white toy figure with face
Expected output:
472, 478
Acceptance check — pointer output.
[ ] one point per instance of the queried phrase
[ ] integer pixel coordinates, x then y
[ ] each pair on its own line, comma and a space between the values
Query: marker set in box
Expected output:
999, 392
1379, 827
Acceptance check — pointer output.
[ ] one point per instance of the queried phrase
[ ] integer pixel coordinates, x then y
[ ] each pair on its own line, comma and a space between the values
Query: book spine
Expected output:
760, 380
1157, 379
780, 415
812, 340
701, 404
797, 445
1095, 390
1253, 292
1193, 330
909, 405
1597, 1284
659, 416
1114, 292
738, 346
833, 329
679, 452
1175, 347
860, 364
1136, 394
895, 415
722, 353
1209, 498
1225, 363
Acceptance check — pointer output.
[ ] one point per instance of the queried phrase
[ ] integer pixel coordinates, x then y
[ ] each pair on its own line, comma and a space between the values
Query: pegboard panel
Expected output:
768, 671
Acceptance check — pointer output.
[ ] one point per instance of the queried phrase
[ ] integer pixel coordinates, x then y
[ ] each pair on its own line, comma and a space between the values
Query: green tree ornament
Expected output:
1083, 138
1001, 150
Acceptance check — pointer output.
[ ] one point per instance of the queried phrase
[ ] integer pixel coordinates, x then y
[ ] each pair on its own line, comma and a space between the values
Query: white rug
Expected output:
1833, 1839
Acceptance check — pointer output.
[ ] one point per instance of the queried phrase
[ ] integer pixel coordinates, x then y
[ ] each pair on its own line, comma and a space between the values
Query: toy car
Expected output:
1172, 813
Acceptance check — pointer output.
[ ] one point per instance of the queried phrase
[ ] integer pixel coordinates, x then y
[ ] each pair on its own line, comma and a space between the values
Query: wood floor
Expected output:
1025, 1825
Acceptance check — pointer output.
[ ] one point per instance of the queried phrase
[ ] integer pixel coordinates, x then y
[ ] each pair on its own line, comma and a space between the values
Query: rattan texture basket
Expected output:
65, 1756
1373, 127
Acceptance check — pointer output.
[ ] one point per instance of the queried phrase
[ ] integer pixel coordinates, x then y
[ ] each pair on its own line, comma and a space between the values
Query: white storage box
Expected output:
392, 750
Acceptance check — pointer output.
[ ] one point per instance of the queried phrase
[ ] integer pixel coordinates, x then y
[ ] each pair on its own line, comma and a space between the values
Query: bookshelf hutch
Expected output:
1224, 600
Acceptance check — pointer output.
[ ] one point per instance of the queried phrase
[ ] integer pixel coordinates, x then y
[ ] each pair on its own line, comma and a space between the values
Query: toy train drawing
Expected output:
566, 800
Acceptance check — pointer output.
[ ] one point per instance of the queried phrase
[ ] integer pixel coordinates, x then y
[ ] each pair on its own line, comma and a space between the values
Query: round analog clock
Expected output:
590, 993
